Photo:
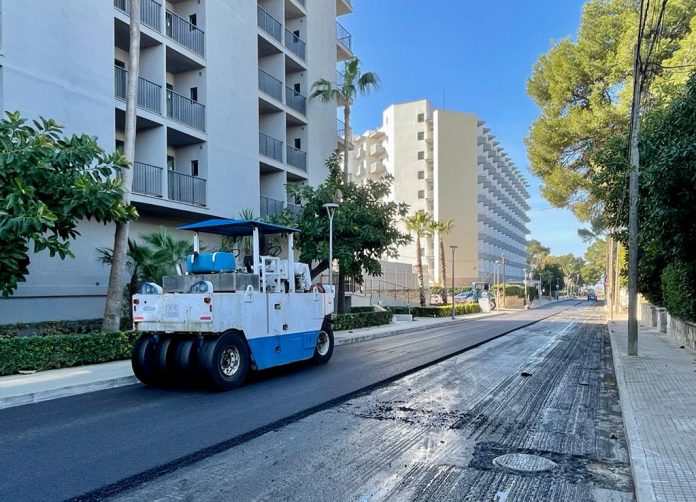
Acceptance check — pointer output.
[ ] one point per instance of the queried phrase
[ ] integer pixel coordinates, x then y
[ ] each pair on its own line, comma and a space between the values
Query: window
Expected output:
421, 175
120, 146
421, 136
193, 92
170, 87
194, 168
120, 63
170, 163
298, 143
297, 88
421, 194
193, 19
421, 155
421, 117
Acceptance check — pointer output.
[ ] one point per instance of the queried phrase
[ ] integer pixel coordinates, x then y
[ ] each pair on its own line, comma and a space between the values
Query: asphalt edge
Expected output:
150, 474
112, 383
642, 484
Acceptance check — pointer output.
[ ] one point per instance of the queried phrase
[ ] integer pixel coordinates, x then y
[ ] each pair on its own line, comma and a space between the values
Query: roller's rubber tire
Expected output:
325, 344
225, 360
164, 358
143, 359
181, 361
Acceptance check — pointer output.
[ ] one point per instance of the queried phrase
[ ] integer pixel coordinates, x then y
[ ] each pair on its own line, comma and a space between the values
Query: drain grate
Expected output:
523, 462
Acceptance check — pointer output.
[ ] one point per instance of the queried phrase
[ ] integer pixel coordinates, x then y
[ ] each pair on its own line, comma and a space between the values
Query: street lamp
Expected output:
524, 278
453, 247
496, 280
330, 210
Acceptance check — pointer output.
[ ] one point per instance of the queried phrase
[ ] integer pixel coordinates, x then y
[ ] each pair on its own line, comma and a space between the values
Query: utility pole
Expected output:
503, 264
453, 248
634, 157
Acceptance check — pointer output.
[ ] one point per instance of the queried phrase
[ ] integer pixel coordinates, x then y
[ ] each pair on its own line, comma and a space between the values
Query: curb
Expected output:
73, 390
642, 485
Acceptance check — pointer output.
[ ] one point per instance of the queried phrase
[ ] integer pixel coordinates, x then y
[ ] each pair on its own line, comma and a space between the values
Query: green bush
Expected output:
359, 310
679, 290
439, 311
50, 328
360, 320
62, 351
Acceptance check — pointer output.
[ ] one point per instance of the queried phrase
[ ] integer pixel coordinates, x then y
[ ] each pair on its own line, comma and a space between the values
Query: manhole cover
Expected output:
522, 462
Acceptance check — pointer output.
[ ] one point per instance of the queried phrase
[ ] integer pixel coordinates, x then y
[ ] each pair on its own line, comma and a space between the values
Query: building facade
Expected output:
449, 164
223, 119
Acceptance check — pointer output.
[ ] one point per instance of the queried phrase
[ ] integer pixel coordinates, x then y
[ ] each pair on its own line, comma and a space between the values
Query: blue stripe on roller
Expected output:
293, 347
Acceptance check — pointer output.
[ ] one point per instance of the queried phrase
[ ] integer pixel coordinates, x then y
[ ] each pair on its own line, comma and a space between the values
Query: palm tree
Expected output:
443, 228
421, 224
354, 82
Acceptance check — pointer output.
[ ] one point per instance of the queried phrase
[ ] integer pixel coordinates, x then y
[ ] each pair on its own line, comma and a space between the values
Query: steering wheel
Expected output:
274, 251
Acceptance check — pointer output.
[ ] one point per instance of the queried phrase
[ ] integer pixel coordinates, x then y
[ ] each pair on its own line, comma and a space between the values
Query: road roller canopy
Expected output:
234, 228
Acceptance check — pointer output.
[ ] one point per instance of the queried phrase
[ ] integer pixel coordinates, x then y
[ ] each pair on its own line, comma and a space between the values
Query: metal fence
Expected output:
268, 23
149, 93
295, 100
295, 44
185, 110
340, 128
270, 85
186, 188
147, 179
270, 147
150, 12
185, 33
297, 158
344, 36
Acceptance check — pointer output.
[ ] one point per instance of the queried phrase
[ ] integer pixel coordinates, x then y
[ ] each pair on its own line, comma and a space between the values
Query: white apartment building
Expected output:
223, 119
449, 164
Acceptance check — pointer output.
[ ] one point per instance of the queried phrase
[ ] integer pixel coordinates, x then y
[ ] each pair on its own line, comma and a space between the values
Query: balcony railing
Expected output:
149, 93
295, 100
186, 188
185, 33
340, 128
270, 85
150, 12
297, 158
340, 78
295, 209
147, 179
295, 44
270, 147
185, 110
344, 36
271, 207
268, 23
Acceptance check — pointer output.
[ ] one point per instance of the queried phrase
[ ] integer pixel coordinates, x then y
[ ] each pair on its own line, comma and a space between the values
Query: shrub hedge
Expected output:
439, 311
62, 351
357, 310
356, 320
679, 290
49, 328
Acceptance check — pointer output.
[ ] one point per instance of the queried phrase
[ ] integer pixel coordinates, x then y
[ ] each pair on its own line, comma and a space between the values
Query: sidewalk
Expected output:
16, 390
658, 400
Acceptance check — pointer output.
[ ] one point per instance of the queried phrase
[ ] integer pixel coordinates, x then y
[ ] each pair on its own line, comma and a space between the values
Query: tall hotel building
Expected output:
450, 165
223, 120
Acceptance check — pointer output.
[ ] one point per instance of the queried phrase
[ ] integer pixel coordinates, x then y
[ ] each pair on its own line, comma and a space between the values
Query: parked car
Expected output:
436, 299
466, 296
591, 296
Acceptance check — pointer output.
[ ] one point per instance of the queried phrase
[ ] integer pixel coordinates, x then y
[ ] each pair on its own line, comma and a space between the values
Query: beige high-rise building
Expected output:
449, 164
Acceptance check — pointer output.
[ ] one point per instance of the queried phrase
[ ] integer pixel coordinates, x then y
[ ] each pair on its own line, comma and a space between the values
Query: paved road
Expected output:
115, 439
547, 390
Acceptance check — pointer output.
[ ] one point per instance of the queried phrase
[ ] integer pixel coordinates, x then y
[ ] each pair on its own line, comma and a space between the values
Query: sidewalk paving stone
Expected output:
657, 389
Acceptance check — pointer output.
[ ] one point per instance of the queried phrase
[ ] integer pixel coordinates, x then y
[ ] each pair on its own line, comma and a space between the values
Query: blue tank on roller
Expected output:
210, 263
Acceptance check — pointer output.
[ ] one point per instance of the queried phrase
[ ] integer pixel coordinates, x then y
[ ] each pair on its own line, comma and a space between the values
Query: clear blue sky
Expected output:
480, 54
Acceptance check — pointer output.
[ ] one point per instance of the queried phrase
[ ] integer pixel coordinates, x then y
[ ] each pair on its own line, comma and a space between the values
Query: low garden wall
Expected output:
682, 331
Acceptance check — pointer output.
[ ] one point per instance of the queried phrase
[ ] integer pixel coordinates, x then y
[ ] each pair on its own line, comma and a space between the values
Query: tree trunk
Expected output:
341, 292
419, 272
443, 271
346, 138
114, 296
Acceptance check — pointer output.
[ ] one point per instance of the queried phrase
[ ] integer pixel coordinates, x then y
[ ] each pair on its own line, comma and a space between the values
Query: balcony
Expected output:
344, 7
150, 12
340, 129
377, 168
149, 93
340, 78
270, 147
296, 158
295, 209
344, 47
185, 110
295, 100
295, 44
185, 33
271, 207
268, 23
270, 85
377, 150
147, 179
186, 188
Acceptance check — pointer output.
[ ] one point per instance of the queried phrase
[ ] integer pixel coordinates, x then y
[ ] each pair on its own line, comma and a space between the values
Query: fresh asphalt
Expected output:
94, 445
